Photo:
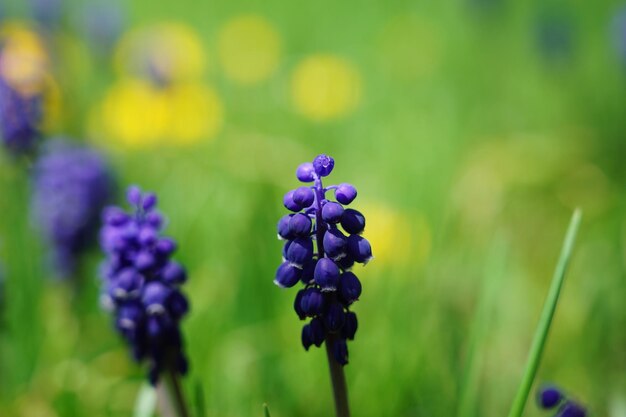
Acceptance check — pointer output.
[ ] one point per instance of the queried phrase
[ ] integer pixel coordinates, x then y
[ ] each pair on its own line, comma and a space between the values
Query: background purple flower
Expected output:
141, 284
70, 186
20, 119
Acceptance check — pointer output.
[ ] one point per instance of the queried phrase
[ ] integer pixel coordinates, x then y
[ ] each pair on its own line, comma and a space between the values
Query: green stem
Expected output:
541, 333
340, 391
170, 394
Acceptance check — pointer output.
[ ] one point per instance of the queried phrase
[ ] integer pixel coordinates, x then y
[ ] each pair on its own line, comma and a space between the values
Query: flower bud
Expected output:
326, 274
345, 193
332, 212
352, 221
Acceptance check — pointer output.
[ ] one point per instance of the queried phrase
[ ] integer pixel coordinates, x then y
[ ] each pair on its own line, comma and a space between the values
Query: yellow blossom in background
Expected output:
325, 87
396, 237
196, 112
25, 61
248, 49
135, 113
171, 51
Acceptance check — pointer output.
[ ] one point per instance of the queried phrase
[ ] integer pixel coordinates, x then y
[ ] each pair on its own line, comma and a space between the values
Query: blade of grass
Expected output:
266, 410
541, 333
494, 272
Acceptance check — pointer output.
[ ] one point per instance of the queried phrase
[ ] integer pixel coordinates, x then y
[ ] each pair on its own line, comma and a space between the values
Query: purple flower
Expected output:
141, 282
618, 33
550, 397
322, 243
20, 119
70, 186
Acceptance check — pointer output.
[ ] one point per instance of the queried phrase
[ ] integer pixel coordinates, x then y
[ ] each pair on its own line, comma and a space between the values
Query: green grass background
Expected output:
494, 149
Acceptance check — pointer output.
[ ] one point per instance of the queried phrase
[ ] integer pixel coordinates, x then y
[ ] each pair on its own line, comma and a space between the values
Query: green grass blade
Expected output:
266, 410
541, 333
494, 273
199, 400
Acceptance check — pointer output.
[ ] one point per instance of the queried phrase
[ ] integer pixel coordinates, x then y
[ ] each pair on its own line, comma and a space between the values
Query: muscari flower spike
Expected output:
141, 283
322, 242
550, 397
70, 186
20, 119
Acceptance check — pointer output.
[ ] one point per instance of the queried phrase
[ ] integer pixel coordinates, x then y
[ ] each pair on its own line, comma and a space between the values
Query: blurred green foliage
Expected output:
470, 142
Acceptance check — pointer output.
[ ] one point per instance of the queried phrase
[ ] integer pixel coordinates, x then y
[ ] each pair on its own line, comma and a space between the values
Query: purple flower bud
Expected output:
317, 331
144, 261
350, 326
173, 273
312, 302
334, 318
305, 172
300, 251
300, 225
126, 284
359, 249
306, 337
297, 304
549, 397
332, 212
352, 221
345, 193
133, 196
114, 216
571, 409
287, 275
289, 203
323, 165
155, 297
177, 305
283, 227
165, 247
334, 243
349, 287
340, 351
154, 219
303, 196
326, 274
129, 316
149, 201
148, 236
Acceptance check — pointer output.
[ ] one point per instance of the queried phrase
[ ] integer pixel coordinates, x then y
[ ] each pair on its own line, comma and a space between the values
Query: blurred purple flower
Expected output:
20, 119
70, 186
550, 397
47, 13
141, 284
330, 287
555, 35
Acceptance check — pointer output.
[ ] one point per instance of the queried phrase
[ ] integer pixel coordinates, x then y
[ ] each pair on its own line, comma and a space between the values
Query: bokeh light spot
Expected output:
248, 49
325, 87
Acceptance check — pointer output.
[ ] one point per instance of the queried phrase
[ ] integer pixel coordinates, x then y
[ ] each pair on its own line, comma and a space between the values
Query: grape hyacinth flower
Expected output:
70, 186
20, 119
322, 242
141, 283
552, 398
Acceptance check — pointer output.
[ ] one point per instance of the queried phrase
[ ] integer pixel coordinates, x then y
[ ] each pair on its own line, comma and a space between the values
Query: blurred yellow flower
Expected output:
24, 62
135, 113
167, 51
396, 237
196, 112
325, 87
248, 49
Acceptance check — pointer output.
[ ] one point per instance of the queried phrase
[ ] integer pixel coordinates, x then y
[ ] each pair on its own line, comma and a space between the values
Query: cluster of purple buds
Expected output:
323, 267
552, 398
70, 186
20, 119
141, 284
